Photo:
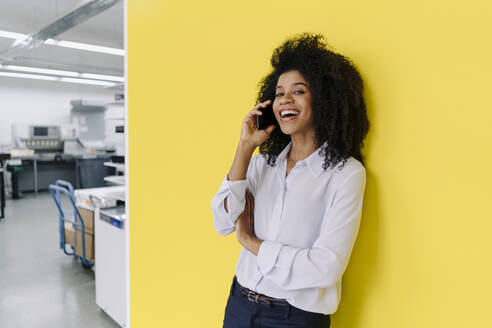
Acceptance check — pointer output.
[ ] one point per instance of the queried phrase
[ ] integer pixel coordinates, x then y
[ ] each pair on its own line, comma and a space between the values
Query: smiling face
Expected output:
292, 104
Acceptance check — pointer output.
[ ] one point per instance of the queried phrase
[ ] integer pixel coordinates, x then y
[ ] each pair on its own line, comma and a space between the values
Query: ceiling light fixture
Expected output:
29, 76
84, 81
40, 70
54, 78
12, 35
103, 77
63, 73
19, 37
86, 46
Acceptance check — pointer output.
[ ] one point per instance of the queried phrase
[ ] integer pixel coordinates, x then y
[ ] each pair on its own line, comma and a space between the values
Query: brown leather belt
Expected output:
260, 298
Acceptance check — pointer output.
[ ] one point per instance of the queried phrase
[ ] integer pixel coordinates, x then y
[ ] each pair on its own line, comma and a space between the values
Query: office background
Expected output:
422, 258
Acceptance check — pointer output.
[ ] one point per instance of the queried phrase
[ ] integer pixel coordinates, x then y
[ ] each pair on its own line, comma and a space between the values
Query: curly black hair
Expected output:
339, 110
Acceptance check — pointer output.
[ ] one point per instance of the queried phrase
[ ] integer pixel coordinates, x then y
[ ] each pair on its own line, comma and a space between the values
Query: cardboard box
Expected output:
88, 218
89, 241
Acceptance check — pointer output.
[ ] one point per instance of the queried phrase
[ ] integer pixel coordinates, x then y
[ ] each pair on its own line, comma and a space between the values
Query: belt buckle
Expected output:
255, 297
252, 296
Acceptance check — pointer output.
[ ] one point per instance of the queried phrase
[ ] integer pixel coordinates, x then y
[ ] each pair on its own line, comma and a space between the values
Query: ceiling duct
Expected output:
63, 24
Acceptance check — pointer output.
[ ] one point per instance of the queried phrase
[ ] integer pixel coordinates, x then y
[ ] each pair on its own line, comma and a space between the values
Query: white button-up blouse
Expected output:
308, 220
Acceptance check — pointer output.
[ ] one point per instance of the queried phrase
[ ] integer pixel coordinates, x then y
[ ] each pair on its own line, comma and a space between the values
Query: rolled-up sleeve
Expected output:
324, 263
234, 192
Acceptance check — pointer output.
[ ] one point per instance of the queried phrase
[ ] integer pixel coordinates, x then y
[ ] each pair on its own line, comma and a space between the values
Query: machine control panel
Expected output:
42, 132
44, 137
44, 144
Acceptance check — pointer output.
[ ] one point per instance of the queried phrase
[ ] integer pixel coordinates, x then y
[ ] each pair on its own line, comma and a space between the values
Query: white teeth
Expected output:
285, 112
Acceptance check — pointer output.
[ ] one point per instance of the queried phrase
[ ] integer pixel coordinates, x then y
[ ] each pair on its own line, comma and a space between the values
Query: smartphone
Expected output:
267, 119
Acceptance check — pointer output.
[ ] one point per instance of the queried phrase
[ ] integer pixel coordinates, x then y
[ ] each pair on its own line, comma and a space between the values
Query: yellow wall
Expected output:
422, 258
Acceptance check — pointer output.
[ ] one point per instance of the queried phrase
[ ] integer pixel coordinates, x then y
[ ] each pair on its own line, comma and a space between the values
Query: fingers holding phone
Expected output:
250, 131
267, 117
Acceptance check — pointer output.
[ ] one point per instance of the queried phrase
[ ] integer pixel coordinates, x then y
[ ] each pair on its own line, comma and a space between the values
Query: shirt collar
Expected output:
313, 161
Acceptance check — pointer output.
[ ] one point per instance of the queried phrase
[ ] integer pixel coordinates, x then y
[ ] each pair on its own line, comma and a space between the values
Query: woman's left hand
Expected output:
245, 226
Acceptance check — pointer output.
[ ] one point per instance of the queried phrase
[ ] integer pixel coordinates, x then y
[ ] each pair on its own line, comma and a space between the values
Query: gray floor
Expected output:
40, 286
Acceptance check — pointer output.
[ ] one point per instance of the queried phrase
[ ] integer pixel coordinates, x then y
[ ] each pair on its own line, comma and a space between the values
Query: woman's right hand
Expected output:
249, 133
250, 139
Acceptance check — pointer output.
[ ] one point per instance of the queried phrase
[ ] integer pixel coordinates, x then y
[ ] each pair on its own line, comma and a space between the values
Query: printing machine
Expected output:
45, 140
46, 153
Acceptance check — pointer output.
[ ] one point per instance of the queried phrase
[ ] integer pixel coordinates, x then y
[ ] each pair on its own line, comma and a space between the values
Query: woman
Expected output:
296, 206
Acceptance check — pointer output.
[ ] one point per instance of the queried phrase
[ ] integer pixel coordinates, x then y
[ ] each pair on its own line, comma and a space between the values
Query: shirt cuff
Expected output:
267, 255
237, 188
237, 201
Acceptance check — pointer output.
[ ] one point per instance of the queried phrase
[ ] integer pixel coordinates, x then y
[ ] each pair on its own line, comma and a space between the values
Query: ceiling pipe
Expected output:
63, 24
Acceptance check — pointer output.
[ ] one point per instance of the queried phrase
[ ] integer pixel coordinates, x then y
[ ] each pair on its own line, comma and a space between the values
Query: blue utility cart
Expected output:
72, 218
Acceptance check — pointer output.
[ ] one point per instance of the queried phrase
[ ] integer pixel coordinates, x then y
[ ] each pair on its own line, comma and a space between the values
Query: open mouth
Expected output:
288, 114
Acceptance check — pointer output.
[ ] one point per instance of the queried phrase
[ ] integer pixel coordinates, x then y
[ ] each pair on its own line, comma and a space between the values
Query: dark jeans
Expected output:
242, 313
